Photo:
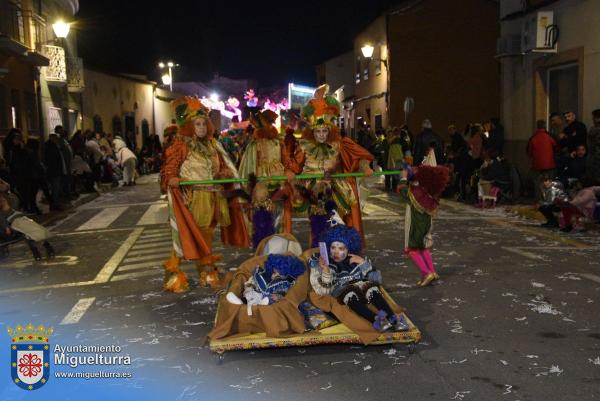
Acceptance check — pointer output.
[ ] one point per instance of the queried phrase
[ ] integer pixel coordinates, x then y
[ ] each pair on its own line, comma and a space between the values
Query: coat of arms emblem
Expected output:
30, 355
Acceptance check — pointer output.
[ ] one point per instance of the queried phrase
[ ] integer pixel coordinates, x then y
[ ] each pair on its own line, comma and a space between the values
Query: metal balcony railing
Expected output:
39, 36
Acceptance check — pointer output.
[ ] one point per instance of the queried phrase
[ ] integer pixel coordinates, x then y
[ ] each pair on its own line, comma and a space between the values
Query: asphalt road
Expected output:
514, 317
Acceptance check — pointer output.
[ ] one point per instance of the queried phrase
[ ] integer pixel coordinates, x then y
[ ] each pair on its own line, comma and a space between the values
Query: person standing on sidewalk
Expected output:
67, 154
55, 169
541, 149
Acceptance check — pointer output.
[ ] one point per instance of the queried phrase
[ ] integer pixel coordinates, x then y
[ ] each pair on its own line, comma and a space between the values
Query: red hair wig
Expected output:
188, 128
433, 179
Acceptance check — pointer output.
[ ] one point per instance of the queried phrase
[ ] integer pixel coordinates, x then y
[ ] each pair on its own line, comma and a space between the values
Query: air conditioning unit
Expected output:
539, 34
508, 45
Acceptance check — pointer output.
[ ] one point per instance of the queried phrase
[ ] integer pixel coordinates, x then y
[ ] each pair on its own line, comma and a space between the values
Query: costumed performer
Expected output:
205, 159
262, 157
323, 150
422, 201
352, 279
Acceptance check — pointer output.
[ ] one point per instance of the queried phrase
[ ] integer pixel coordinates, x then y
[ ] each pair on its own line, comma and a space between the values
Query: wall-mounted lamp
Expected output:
367, 52
61, 29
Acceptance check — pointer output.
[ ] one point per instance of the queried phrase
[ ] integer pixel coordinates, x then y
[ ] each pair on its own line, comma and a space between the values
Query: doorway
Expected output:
130, 138
562, 88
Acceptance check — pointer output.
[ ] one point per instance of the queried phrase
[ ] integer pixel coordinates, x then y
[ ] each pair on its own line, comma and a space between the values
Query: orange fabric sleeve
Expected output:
352, 154
292, 155
175, 155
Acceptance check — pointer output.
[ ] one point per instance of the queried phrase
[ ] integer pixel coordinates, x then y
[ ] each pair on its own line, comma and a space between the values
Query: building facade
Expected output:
122, 104
438, 54
40, 74
540, 76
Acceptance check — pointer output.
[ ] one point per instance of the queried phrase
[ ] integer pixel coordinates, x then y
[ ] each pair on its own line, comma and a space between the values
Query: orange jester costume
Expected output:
196, 210
330, 153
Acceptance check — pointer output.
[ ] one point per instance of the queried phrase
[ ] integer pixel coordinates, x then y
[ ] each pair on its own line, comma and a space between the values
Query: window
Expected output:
378, 68
378, 122
98, 124
563, 88
358, 67
117, 126
366, 71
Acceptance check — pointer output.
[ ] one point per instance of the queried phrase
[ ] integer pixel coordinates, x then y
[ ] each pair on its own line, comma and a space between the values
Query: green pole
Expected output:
284, 178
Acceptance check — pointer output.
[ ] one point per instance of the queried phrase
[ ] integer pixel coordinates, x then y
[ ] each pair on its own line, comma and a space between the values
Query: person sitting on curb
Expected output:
552, 192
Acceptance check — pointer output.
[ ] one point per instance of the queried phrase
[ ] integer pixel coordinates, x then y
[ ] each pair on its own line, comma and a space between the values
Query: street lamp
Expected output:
61, 29
367, 52
167, 79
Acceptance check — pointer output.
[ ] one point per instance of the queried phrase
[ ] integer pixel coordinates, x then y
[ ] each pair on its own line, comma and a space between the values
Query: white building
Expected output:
549, 53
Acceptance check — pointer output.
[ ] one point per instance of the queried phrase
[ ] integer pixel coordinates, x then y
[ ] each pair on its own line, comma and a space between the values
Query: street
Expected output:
514, 316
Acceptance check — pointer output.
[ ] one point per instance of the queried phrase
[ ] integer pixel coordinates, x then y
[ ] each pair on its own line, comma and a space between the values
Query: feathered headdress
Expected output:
347, 235
263, 124
323, 110
188, 108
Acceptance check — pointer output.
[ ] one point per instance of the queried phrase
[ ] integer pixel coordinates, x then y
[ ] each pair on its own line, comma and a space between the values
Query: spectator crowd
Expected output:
57, 171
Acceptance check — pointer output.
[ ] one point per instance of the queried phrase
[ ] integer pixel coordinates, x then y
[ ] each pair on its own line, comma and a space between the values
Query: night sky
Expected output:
272, 42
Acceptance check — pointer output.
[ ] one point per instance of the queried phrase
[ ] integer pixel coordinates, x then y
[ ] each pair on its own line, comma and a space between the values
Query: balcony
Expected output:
56, 72
12, 29
19, 39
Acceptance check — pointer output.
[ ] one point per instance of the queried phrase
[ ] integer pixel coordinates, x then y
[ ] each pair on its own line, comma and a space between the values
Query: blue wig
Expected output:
285, 265
347, 235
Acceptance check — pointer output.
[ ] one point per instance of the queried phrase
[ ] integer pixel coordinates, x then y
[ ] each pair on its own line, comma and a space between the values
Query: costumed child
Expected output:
270, 282
323, 150
15, 225
422, 200
351, 279
553, 192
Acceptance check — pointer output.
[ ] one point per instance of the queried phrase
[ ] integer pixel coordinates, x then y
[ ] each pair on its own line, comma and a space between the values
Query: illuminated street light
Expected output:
367, 50
167, 79
214, 97
61, 29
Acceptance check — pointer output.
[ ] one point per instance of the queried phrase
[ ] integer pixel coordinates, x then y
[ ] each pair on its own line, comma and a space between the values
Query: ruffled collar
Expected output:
421, 200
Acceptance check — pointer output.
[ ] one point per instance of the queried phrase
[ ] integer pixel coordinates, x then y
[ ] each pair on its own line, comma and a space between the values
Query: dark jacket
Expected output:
496, 139
19, 163
497, 171
53, 158
576, 167
540, 149
422, 143
576, 135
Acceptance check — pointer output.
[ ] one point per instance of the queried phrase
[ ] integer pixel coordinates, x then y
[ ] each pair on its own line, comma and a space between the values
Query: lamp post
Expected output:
167, 79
